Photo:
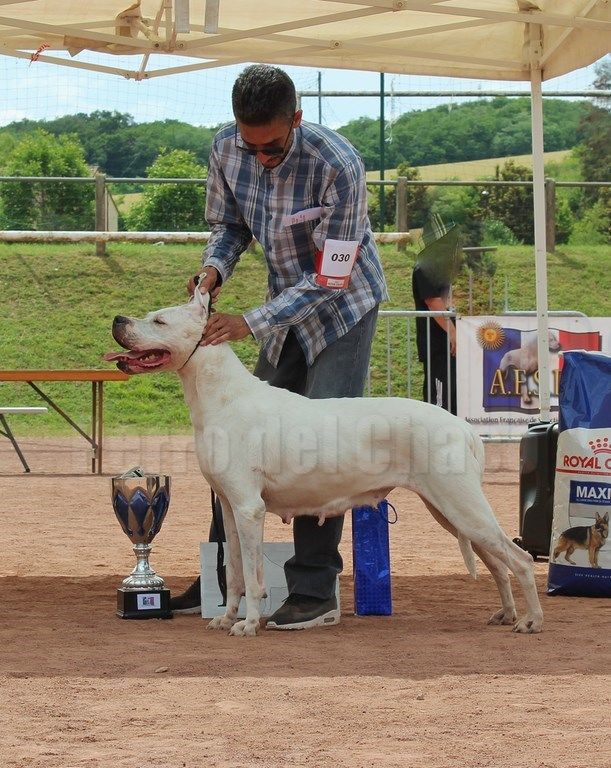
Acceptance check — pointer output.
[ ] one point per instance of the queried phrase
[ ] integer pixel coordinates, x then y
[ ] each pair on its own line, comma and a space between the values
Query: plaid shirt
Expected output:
322, 170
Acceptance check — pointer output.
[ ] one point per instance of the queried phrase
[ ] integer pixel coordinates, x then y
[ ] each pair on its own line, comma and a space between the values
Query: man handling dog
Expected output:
299, 189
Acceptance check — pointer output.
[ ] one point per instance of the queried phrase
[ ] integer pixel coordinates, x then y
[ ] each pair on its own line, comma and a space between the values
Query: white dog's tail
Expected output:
476, 447
467, 553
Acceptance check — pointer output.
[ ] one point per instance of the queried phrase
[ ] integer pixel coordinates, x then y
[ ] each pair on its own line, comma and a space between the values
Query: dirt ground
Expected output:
430, 686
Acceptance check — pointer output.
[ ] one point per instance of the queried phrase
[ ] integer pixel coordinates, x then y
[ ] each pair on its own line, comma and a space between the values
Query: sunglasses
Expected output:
268, 151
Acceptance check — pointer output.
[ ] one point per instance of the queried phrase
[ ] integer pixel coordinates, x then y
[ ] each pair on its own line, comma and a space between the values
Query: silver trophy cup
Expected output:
140, 501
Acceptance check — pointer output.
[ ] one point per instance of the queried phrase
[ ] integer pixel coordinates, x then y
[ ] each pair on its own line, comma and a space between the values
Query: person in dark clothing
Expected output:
432, 294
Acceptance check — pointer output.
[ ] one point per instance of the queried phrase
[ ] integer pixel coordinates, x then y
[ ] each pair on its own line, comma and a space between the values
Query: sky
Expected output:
41, 91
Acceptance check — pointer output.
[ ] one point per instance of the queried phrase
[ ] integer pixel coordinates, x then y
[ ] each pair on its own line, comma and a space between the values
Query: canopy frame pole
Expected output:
539, 223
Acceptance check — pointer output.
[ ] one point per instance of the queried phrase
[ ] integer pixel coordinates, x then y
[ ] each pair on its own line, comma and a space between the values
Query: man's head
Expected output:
262, 94
264, 104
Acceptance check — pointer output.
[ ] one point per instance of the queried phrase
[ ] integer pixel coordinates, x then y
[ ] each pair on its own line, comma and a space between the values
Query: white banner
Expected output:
497, 366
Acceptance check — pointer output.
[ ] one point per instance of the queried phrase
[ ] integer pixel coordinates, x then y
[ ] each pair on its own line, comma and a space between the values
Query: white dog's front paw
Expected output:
221, 622
504, 616
528, 626
244, 628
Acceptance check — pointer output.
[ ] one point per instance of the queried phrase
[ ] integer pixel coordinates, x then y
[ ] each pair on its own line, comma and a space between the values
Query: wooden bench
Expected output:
7, 432
97, 378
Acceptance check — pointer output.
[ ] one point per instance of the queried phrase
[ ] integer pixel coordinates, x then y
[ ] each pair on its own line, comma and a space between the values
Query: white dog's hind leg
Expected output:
249, 519
234, 572
507, 613
469, 511
521, 564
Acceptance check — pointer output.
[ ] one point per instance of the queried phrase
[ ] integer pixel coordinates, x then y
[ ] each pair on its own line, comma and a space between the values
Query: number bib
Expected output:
334, 263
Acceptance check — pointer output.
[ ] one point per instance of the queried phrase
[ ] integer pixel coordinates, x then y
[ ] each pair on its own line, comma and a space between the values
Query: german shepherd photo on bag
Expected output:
590, 537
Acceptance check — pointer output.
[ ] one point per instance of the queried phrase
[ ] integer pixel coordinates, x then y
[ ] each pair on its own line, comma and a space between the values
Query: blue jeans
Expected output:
340, 370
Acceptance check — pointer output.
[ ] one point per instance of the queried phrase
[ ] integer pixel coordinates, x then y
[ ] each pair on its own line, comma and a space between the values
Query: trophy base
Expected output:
149, 604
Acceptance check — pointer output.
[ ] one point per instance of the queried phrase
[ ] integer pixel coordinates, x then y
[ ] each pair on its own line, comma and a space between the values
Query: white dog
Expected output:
264, 449
526, 358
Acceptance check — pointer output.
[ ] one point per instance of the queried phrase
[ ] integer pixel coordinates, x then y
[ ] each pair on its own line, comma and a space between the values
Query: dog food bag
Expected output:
580, 550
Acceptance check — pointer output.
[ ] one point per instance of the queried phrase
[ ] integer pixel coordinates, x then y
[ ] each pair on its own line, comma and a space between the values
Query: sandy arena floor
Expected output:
430, 686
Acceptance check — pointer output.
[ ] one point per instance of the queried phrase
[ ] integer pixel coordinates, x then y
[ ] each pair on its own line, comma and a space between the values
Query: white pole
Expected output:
540, 253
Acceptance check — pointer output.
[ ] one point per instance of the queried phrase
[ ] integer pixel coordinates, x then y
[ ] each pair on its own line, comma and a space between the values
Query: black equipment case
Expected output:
538, 450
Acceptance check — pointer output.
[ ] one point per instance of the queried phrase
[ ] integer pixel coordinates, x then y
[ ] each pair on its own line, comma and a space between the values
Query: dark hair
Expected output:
263, 93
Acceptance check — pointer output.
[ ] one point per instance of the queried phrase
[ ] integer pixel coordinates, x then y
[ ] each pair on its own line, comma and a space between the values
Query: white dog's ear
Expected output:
198, 297
203, 300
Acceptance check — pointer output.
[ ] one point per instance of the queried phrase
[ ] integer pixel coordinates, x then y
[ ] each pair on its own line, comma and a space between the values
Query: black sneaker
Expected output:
303, 612
190, 601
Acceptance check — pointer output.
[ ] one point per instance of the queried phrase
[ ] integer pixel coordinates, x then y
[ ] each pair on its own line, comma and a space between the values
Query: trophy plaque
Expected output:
140, 501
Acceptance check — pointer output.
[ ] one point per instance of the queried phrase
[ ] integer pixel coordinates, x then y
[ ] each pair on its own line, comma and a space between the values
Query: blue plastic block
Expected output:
371, 561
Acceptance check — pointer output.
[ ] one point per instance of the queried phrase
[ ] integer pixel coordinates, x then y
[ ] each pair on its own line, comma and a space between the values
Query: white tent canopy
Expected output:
481, 39
457, 38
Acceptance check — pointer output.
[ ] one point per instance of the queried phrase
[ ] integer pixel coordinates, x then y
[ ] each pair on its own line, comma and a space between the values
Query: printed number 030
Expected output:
340, 257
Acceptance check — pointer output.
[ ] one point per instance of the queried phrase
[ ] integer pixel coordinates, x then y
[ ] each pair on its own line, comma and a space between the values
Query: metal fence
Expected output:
395, 344
105, 211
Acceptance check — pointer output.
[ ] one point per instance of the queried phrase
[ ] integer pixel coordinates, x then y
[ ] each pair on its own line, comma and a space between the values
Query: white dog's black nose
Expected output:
120, 320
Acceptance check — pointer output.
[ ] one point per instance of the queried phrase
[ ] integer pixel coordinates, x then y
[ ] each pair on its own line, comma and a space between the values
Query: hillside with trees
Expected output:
471, 131
478, 129
114, 143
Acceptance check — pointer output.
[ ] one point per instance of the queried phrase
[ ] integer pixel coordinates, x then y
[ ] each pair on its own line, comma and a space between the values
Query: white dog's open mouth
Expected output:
139, 361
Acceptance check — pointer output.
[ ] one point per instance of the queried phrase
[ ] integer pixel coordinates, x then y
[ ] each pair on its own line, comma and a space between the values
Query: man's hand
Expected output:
437, 304
452, 330
221, 327
205, 283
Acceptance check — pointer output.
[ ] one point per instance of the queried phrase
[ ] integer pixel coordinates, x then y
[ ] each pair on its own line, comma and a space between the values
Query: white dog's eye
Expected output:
159, 321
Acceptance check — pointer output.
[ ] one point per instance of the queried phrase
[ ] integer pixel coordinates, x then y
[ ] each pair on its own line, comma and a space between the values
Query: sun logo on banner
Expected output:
491, 335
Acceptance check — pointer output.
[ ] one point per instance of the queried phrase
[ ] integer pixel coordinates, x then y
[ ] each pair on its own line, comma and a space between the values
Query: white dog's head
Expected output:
163, 340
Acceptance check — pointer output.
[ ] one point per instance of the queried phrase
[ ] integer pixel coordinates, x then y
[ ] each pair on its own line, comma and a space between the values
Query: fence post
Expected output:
550, 215
470, 273
100, 211
401, 208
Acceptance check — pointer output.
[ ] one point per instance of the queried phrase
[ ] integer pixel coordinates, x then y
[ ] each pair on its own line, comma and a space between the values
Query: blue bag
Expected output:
371, 560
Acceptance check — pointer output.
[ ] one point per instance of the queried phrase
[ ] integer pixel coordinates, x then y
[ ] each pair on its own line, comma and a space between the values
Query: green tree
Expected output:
595, 158
47, 205
364, 133
7, 145
171, 207
468, 131
115, 143
513, 205
564, 220
447, 133
135, 147
417, 202
592, 227
461, 205
373, 209
97, 133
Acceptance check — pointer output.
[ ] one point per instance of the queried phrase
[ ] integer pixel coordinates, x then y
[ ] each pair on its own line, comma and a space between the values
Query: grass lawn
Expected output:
59, 302
472, 170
